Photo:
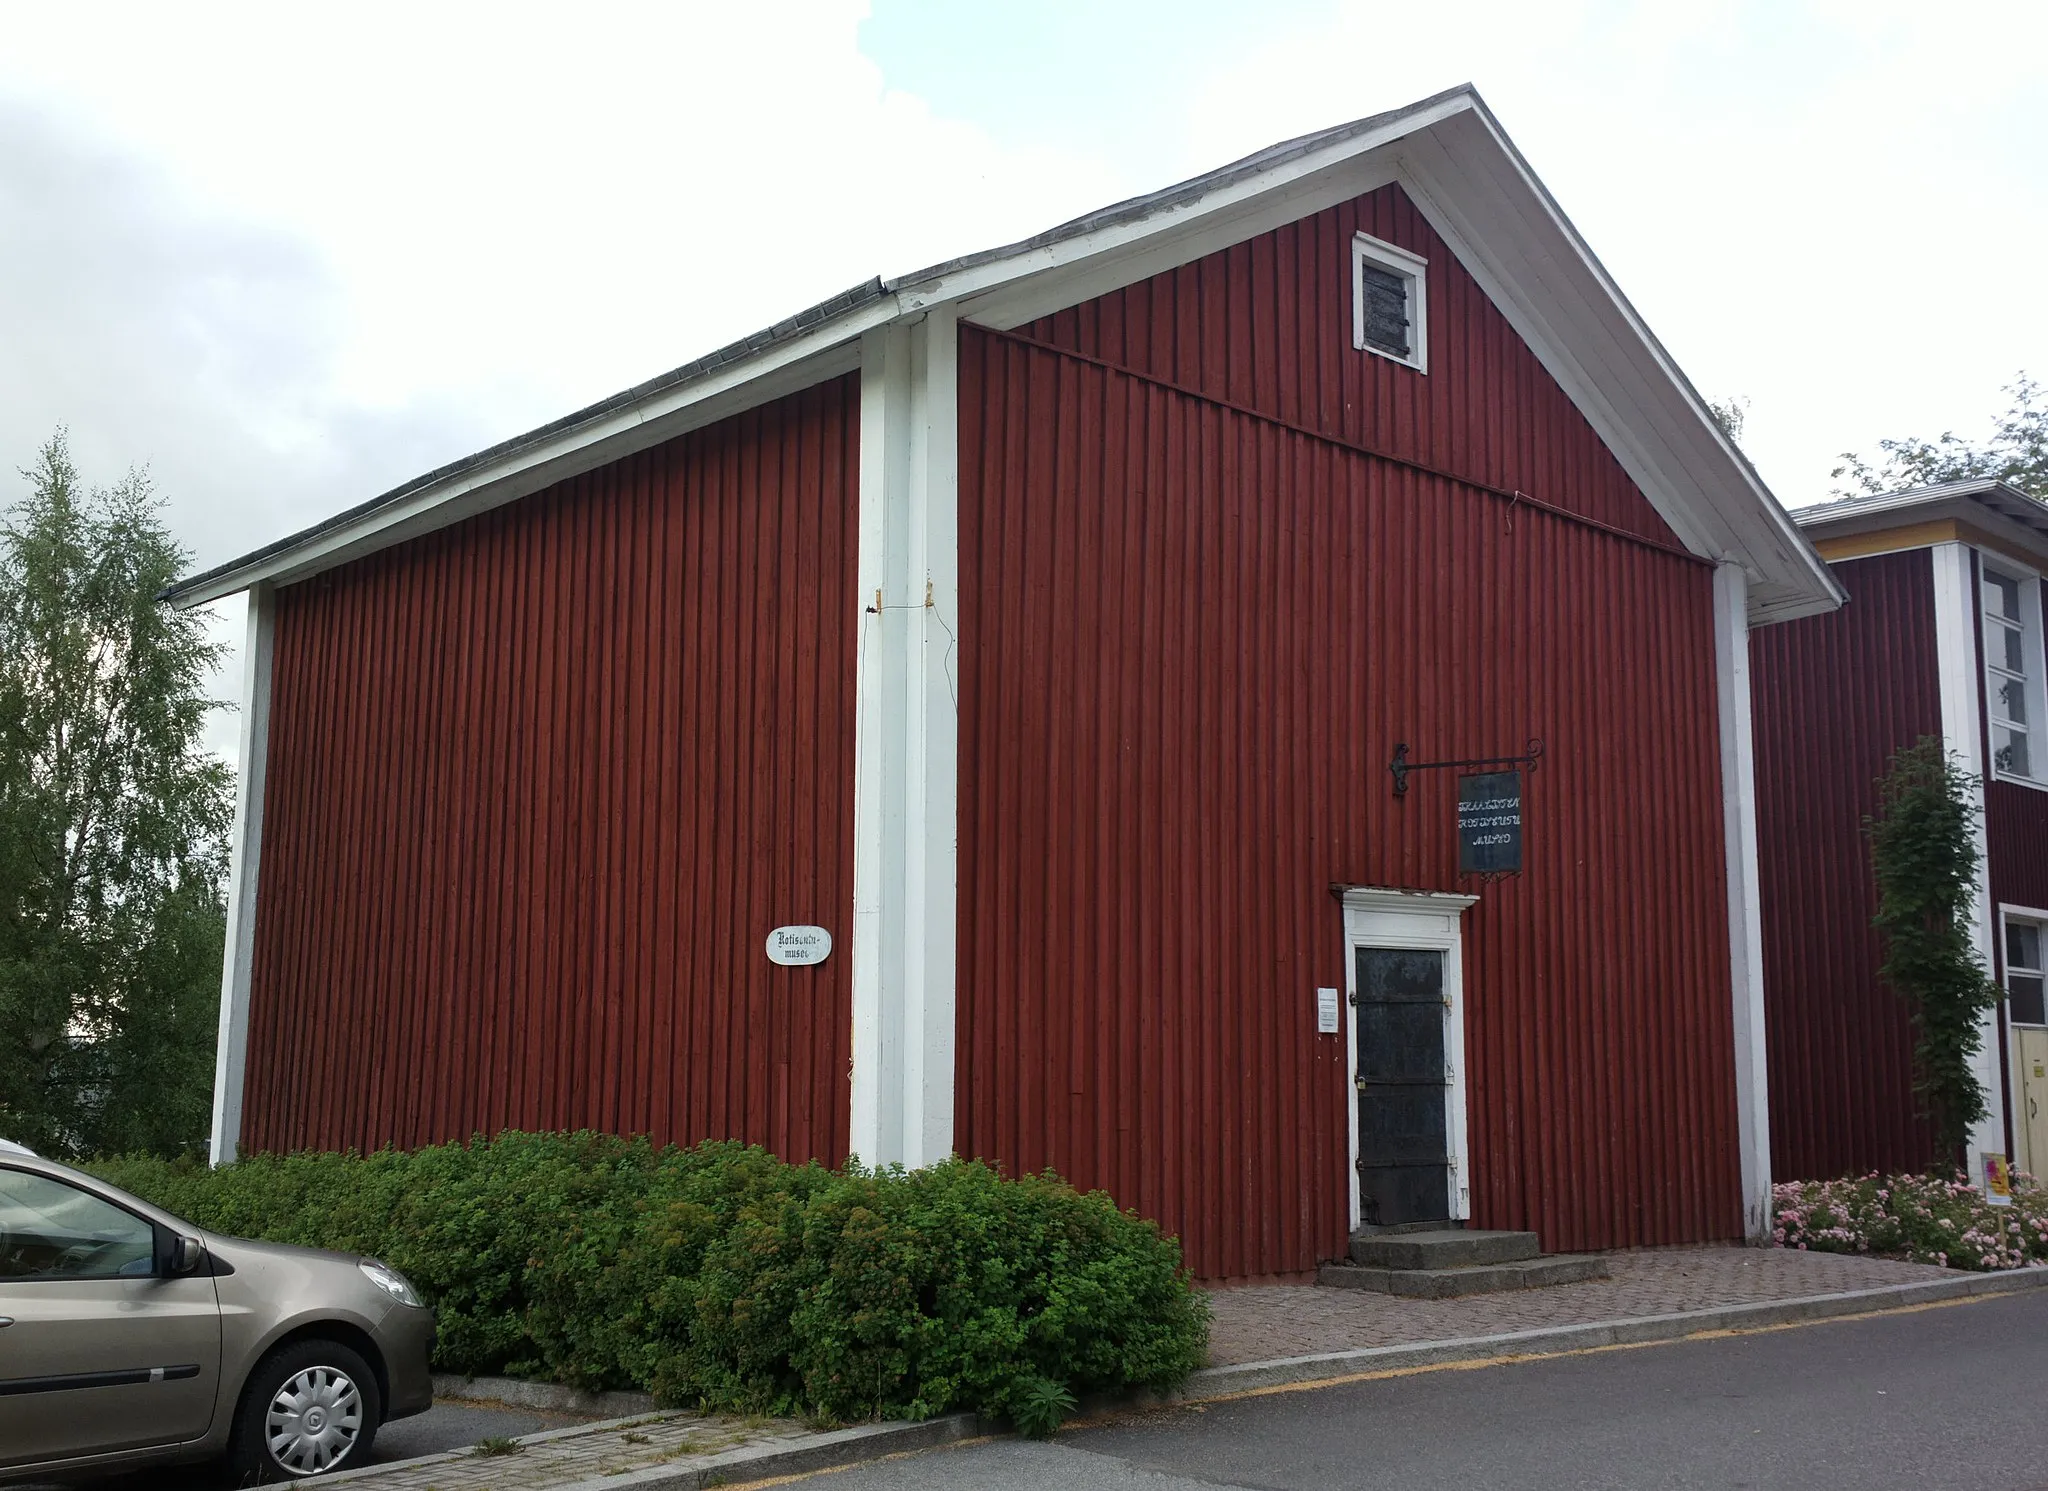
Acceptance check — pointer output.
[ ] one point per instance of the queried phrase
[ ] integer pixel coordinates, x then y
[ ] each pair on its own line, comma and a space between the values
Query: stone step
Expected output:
1401, 1229
1443, 1248
1449, 1283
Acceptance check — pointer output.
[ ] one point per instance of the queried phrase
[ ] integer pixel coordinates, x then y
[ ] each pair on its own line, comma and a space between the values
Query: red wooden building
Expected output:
1041, 627
1941, 636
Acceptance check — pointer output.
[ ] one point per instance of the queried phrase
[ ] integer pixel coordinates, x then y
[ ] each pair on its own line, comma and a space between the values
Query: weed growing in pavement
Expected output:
496, 1445
1041, 1409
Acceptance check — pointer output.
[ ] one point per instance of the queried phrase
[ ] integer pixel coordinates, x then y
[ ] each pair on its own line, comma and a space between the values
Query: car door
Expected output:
101, 1349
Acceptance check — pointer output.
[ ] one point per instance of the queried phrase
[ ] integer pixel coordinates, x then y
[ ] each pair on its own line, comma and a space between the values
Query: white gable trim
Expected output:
1609, 364
1018, 303
1230, 207
1463, 173
831, 350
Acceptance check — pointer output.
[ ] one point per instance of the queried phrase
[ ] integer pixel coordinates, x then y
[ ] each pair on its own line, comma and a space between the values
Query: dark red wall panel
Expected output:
1835, 697
2016, 826
1192, 635
1266, 326
540, 784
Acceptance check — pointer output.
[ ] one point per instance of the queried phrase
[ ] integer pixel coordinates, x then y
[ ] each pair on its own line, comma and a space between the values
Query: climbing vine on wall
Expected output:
1923, 848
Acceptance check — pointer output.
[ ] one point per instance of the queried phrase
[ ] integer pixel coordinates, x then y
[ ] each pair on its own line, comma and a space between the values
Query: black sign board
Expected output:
1490, 823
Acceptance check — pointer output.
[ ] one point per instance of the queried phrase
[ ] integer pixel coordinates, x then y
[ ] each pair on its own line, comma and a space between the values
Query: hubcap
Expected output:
314, 1420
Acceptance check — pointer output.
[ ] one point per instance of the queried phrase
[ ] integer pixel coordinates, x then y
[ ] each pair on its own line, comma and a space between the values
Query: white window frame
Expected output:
1421, 921
1414, 269
2026, 916
2036, 680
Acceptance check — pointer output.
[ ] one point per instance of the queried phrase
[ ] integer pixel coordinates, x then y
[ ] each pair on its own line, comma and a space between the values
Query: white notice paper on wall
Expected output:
1326, 1011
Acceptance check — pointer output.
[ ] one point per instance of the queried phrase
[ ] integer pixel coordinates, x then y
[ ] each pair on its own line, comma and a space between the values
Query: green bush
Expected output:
724, 1277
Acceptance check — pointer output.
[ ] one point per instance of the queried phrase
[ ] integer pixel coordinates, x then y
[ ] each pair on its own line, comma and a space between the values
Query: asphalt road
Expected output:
1951, 1397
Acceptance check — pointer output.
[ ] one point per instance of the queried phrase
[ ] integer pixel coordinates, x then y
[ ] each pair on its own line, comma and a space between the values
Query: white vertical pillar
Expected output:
1745, 899
1957, 626
245, 853
906, 791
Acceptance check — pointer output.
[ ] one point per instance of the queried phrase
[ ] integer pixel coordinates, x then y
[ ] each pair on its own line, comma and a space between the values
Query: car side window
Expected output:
50, 1230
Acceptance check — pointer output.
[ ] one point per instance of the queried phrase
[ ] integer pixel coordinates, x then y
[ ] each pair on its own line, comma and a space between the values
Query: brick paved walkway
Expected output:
1258, 1324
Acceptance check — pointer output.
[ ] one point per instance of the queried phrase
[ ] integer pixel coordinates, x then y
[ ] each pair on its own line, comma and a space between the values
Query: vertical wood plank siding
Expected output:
2016, 827
539, 786
1191, 637
1835, 696
1266, 326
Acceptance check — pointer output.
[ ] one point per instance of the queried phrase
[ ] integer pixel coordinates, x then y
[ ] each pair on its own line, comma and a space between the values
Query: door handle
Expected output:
6, 1320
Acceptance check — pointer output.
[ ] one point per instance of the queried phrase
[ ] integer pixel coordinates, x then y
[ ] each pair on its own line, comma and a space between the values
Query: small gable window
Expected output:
1389, 302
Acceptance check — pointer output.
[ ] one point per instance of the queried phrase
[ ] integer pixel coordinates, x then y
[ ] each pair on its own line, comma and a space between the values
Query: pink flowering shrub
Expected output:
1919, 1218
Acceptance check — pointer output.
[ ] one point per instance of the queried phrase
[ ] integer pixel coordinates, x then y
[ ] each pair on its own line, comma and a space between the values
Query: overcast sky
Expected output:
287, 257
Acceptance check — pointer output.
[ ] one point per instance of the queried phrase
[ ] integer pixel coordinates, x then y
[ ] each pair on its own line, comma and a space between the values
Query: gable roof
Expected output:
1450, 155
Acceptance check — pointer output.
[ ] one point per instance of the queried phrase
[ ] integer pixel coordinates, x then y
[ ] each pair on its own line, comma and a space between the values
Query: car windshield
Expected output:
52, 1230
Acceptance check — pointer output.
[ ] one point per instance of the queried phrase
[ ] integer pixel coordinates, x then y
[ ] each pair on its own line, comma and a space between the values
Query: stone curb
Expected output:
735, 1467
543, 1397
1216, 1382
826, 1451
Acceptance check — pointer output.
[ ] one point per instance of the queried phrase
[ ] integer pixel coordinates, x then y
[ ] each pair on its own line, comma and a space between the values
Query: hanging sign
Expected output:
1997, 1179
1490, 823
794, 947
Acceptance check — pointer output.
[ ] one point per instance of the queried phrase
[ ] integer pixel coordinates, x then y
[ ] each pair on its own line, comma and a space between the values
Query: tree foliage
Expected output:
113, 825
1923, 848
1731, 414
2017, 452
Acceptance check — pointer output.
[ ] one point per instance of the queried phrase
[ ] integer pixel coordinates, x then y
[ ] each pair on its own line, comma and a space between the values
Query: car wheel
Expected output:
309, 1408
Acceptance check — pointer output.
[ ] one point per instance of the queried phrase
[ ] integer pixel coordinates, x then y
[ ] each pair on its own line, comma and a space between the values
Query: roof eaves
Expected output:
810, 318
1865, 504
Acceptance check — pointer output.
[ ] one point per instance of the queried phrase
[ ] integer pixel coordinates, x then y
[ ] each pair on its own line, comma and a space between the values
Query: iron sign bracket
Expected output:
1400, 766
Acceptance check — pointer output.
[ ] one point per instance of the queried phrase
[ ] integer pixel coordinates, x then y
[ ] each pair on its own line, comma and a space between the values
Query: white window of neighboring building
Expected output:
2013, 674
1390, 302
2026, 976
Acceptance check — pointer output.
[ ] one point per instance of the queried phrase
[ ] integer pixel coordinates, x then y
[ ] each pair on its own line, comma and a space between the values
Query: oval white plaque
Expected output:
792, 946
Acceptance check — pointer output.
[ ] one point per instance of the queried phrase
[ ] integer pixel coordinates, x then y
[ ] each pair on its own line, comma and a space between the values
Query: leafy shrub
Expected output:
724, 1277
1919, 1218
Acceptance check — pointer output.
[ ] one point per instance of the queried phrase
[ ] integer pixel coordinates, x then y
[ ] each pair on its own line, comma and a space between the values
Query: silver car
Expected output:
129, 1337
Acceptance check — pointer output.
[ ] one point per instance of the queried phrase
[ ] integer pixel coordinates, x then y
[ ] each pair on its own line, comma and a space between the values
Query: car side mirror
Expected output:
187, 1253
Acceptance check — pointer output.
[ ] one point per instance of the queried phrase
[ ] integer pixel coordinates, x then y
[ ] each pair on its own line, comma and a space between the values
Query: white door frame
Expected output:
1423, 921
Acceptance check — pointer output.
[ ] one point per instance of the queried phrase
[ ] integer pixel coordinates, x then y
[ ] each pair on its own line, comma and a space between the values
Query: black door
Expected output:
1403, 1148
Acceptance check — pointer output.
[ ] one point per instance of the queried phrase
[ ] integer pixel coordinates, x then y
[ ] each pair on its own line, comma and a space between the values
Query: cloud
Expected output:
291, 256
1832, 207
507, 195
171, 336
287, 263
